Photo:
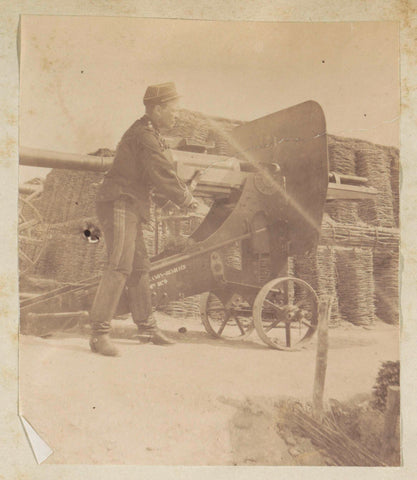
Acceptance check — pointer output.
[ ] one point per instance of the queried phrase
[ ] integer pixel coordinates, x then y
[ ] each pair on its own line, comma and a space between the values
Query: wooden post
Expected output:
391, 413
321, 356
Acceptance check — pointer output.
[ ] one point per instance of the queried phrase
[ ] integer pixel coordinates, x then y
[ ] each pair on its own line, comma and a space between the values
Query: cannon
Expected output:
268, 202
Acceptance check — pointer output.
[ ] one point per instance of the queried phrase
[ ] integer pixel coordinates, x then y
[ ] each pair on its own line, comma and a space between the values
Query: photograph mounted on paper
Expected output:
209, 242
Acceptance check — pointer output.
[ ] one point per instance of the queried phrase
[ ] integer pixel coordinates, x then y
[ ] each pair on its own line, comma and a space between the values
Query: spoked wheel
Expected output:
285, 313
31, 235
232, 321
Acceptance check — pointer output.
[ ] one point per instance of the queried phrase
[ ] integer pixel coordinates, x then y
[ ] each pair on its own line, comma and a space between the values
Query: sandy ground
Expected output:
183, 404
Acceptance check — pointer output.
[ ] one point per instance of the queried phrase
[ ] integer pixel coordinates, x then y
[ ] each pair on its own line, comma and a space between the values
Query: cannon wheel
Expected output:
285, 313
31, 239
231, 322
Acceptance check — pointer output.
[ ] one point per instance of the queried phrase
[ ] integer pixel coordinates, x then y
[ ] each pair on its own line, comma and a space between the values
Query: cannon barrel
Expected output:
221, 173
34, 157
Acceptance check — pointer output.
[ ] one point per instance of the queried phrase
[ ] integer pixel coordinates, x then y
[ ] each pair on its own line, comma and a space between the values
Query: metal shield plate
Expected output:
295, 139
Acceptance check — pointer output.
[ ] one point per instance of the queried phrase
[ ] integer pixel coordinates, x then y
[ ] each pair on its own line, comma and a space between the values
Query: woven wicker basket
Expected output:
386, 272
319, 270
355, 285
375, 164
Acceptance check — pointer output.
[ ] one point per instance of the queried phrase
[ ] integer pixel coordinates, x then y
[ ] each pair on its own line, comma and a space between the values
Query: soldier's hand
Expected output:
194, 205
199, 208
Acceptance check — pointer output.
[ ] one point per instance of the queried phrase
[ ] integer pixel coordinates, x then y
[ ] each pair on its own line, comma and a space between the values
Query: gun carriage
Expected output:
268, 202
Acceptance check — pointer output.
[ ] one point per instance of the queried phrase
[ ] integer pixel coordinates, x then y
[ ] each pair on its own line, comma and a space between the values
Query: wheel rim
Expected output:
233, 322
285, 313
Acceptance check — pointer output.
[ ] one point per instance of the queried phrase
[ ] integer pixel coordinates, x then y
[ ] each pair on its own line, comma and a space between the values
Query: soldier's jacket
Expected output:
142, 163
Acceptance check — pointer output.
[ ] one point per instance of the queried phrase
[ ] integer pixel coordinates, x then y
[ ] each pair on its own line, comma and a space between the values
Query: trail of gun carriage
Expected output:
294, 214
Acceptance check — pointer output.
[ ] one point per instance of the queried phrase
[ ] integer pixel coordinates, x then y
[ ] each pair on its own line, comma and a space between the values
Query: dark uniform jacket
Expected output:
142, 162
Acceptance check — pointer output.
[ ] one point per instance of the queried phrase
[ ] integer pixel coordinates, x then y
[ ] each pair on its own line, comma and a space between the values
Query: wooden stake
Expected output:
321, 356
391, 413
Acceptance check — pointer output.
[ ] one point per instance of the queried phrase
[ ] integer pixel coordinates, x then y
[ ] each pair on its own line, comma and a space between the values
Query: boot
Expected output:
158, 338
102, 344
140, 304
153, 335
102, 312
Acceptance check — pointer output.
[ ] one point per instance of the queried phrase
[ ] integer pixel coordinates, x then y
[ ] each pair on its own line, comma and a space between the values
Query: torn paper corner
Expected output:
40, 448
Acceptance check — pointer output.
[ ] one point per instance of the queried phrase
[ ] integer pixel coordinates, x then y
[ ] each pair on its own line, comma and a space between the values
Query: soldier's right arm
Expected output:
161, 171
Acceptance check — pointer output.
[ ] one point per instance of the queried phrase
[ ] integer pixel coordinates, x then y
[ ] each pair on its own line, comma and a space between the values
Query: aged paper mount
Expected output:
23, 463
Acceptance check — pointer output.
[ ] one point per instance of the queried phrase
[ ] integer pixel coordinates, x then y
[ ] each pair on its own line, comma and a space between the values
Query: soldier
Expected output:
141, 163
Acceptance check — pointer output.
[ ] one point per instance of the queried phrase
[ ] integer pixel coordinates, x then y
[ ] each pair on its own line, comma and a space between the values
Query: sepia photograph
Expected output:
209, 242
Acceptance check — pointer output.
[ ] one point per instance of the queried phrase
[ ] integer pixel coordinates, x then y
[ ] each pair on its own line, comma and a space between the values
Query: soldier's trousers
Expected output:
128, 265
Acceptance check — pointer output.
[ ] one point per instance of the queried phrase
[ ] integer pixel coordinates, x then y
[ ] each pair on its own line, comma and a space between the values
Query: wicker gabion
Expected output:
319, 270
69, 195
375, 164
342, 157
70, 256
355, 285
190, 125
386, 271
205, 130
395, 183
346, 212
223, 146
186, 308
342, 160
233, 255
380, 165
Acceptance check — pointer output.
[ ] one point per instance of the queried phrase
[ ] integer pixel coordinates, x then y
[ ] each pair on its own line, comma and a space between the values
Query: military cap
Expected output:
164, 92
